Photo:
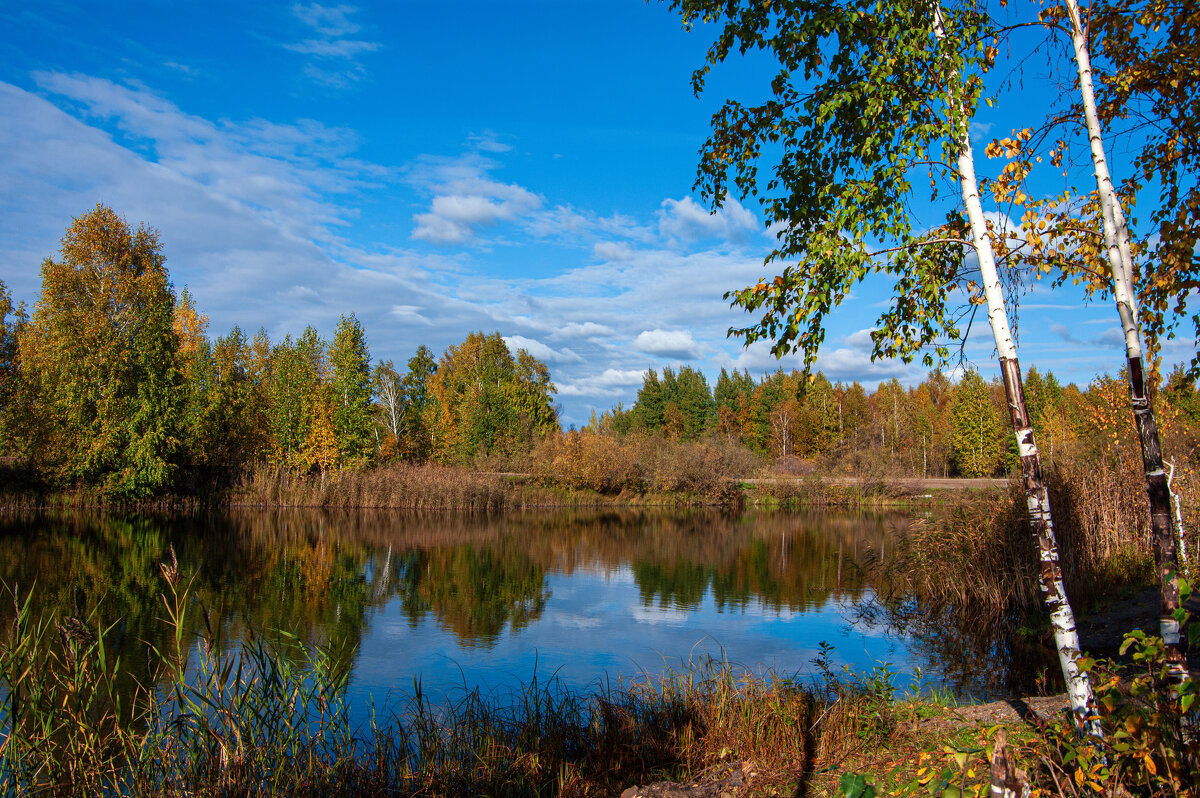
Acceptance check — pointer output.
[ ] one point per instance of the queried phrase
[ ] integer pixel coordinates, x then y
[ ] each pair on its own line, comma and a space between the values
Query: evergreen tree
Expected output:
647, 410
415, 390
350, 384
690, 392
977, 438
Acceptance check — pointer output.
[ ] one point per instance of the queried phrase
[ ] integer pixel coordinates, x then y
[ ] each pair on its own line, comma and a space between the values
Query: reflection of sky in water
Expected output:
595, 624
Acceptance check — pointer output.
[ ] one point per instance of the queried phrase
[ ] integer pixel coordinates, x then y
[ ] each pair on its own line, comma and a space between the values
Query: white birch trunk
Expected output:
1120, 261
1062, 618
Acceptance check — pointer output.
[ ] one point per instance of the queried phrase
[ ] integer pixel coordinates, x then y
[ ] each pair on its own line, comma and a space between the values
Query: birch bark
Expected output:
1120, 261
1062, 617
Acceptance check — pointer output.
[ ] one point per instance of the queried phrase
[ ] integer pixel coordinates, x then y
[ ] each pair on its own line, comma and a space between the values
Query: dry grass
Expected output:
417, 487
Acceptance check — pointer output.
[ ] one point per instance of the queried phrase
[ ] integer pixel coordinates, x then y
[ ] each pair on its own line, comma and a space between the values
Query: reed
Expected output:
977, 557
273, 719
417, 487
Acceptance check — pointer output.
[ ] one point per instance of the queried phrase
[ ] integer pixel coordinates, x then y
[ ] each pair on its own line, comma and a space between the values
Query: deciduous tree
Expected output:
102, 360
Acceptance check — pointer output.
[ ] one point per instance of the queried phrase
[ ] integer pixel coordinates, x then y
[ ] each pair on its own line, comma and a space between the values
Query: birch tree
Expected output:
887, 90
101, 361
1121, 270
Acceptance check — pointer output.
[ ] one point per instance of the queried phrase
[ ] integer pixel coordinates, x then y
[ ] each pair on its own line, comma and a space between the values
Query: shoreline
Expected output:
451, 488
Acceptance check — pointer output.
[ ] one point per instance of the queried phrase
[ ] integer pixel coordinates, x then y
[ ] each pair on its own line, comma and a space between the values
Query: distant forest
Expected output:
113, 384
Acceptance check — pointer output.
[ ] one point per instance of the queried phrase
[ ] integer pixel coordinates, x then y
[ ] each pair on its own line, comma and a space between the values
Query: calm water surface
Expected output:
463, 601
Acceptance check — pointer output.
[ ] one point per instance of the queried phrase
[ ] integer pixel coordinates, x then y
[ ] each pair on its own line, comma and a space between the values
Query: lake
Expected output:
462, 601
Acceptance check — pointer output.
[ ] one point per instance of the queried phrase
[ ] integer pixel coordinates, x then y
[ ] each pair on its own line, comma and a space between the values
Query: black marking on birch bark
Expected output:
1037, 501
1157, 492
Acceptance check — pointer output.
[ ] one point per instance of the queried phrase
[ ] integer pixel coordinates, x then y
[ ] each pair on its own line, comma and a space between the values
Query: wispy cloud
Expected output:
333, 58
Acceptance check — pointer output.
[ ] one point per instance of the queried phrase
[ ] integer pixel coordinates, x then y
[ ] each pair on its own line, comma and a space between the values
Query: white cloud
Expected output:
466, 199
687, 220
341, 48
540, 350
587, 329
609, 383
855, 364
300, 292
327, 20
409, 313
613, 250
333, 58
669, 343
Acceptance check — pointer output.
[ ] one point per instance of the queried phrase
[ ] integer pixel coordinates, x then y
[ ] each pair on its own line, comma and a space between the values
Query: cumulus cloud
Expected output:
667, 343
588, 329
465, 199
849, 364
540, 350
687, 220
861, 340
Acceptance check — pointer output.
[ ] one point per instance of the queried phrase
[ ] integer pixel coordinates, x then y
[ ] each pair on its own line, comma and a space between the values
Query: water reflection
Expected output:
456, 599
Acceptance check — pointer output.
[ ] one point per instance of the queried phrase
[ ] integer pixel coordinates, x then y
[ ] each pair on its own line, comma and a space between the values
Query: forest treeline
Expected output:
114, 384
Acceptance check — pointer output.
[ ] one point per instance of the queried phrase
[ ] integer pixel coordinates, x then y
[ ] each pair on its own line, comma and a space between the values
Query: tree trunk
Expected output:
1062, 618
1120, 261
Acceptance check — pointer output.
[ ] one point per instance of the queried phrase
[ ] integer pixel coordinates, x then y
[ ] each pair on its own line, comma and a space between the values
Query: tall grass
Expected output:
979, 554
973, 568
404, 486
273, 719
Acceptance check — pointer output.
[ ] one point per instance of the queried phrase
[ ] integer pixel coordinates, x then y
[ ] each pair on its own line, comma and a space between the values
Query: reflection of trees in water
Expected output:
473, 592
322, 575
775, 561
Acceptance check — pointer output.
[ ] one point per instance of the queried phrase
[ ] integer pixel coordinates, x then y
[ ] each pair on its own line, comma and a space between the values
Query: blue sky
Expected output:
435, 168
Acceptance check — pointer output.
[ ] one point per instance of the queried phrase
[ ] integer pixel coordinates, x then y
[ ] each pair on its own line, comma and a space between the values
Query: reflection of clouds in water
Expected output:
391, 628
622, 575
576, 621
658, 615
